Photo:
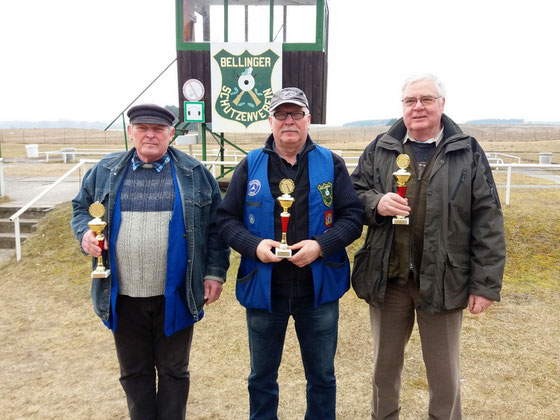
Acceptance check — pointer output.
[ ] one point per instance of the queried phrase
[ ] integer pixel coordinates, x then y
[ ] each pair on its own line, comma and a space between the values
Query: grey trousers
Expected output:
440, 335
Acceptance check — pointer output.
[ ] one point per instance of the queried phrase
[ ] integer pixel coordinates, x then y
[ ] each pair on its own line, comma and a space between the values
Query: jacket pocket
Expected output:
336, 276
251, 288
202, 207
459, 184
361, 281
378, 179
456, 280
253, 211
101, 296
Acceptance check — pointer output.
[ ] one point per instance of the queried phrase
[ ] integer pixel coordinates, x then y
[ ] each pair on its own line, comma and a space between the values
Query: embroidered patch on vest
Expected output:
328, 218
326, 193
254, 187
251, 218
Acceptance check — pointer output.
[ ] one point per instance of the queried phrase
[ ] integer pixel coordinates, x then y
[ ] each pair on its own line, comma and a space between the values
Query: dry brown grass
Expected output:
500, 178
57, 361
44, 169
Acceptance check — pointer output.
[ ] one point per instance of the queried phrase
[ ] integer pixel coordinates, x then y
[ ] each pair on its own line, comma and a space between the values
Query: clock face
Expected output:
193, 90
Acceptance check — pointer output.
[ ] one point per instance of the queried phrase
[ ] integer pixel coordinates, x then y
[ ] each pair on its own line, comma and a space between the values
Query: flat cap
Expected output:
289, 95
150, 114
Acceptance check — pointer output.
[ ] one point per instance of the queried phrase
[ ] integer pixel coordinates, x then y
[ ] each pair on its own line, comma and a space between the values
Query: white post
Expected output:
2, 186
508, 185
18, 239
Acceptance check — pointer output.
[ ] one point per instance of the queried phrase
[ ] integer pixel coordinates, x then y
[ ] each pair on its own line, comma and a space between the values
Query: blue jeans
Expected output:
317, 332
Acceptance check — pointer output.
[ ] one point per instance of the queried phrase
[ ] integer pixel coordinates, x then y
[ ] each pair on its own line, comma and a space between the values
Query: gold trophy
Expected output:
402, 176
97, 210
287, 186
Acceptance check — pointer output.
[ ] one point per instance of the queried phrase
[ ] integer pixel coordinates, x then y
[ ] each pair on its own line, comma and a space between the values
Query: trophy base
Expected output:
100, 274
399, 221
283, 253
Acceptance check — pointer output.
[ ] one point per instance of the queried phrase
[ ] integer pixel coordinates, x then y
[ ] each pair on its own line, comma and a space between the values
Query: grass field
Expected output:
57, 361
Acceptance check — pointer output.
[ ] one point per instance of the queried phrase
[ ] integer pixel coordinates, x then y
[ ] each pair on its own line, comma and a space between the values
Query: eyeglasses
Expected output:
425, 100
296, 115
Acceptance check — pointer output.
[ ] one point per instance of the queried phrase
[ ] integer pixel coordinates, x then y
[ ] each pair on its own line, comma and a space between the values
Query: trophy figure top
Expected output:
97, 210
402, 175
286, 186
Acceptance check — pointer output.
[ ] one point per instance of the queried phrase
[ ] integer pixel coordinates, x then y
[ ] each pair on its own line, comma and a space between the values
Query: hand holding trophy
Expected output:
402, 176
97, 210
286, 186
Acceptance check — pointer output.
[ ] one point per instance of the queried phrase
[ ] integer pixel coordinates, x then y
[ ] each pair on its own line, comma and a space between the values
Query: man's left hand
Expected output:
309, 251
478, 304
212, 291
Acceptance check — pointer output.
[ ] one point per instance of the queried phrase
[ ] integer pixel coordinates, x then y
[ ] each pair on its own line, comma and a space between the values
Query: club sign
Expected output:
244, 77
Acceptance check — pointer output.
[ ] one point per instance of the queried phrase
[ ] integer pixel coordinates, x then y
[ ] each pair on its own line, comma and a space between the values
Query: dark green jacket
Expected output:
464, 245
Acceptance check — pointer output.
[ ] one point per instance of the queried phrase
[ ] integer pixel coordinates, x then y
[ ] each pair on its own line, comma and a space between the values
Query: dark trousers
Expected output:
317, 332
143, 347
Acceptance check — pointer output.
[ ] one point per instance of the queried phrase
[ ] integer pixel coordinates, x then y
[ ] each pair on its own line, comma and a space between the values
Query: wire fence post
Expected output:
2, 185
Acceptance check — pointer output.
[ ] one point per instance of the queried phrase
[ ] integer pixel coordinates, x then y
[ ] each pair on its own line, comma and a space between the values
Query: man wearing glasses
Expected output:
325, 217
449, 256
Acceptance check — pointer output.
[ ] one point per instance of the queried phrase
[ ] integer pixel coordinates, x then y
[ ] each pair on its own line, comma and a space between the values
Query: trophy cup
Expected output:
286, 200
402, 176
97, 210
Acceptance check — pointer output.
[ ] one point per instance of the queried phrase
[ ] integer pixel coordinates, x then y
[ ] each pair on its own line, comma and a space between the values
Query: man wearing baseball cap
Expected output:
160, 206
325, 217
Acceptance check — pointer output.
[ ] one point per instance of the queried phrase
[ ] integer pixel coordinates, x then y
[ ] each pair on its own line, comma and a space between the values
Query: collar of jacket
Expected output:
116, 161
452, 133
269, 148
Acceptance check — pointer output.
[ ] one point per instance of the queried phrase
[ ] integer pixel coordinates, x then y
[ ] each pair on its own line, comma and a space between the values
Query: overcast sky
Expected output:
69, 59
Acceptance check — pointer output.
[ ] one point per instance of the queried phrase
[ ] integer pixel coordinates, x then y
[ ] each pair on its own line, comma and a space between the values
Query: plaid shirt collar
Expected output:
158, 165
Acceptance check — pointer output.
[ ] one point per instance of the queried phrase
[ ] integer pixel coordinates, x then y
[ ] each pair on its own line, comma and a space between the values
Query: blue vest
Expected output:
177, 316
331, 275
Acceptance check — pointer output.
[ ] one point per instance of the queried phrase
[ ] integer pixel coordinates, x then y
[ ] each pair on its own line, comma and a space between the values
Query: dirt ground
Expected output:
57, 361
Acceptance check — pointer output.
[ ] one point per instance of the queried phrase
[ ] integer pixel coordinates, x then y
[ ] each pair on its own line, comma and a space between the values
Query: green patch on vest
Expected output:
326, 193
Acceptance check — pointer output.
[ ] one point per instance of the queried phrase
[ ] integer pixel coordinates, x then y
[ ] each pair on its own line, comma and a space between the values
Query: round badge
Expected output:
193, 90
254, 187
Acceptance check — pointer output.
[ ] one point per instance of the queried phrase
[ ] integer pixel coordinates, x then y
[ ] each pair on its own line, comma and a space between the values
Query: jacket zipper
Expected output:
412, 223
378, 176
461, 181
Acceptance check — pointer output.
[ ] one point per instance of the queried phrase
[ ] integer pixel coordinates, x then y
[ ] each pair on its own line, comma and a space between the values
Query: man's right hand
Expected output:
90, 244
392, 204
264, 251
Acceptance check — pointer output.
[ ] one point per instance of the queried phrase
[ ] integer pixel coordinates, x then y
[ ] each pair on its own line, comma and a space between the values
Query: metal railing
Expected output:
2, 185
509, 166
15, 217
498, 158
212, 165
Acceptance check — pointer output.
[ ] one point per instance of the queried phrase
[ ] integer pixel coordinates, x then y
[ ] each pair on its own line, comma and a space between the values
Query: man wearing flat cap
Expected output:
325, 217
165, 257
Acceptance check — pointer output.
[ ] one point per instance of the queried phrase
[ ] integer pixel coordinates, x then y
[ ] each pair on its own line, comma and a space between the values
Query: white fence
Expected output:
509, 167
351, 162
